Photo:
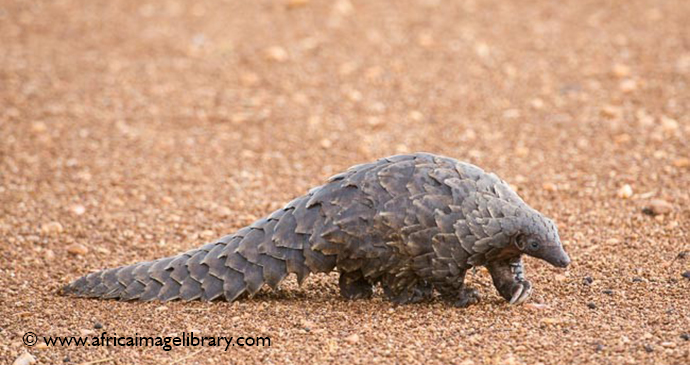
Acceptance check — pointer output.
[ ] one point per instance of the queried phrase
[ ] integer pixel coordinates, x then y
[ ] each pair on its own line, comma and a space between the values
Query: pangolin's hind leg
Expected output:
454, 290
466, 297
354, 286
420, 292
509, 280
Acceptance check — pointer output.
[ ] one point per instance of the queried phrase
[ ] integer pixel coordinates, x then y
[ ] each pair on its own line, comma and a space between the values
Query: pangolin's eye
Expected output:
534, 244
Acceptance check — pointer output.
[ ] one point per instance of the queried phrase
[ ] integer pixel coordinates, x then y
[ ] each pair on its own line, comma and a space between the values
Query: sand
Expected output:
135, 130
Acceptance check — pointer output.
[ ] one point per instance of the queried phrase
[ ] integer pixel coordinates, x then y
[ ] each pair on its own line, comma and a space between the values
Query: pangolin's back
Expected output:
404, 215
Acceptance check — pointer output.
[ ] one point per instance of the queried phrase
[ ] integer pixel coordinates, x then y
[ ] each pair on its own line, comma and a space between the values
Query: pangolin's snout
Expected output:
563, 262
557, 256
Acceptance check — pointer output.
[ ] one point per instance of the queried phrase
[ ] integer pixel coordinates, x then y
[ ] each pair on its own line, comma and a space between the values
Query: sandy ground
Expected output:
133, 130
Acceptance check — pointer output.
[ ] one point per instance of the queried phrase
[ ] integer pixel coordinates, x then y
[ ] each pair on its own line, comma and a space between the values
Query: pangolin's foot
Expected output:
415, 294
520, 291
466, 297
509, 280
353, 286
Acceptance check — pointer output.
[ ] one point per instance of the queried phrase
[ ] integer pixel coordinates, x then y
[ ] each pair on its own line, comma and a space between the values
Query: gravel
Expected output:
136, 130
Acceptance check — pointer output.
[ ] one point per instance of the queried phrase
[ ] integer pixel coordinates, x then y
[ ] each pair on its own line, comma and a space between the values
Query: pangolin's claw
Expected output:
521, 291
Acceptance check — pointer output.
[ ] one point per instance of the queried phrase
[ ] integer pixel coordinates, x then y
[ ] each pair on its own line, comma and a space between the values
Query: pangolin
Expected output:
413, 223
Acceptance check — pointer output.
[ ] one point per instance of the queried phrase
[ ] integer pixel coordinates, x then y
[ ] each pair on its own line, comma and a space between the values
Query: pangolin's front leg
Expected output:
509, 280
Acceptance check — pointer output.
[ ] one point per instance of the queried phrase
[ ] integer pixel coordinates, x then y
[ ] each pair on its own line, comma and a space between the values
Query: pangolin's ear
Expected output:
519, 241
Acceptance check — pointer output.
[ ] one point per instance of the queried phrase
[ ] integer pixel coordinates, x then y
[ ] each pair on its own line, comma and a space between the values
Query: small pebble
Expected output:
613, 241
668, 345
353, 338
326, 143
293, 4
669, 125
416, 115
24, 359
425, 40
622, 139
682, 162
611, 112
538, 306
207, 234
537, 103
52, 228
97, 325
551, 320
523, 152
77, 249
401, 148
344, 7
648, 348
607, 291
686, 275
628, 86
637, 280
599, 348
224, 211
591, 305
625, 192
78, 209
587, 280
548, 186
306, 324
374, 121
39, 127
33, 238
658, 207
276, 53
685, 336
621, 70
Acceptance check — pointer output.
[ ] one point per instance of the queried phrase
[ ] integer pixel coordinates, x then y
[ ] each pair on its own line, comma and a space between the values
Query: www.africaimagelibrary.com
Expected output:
187, 339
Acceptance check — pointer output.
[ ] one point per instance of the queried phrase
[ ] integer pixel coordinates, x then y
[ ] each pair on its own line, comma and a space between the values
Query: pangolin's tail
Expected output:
288, 241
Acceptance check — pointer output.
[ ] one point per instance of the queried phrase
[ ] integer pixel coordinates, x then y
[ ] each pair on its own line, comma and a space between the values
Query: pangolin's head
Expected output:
539, 238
